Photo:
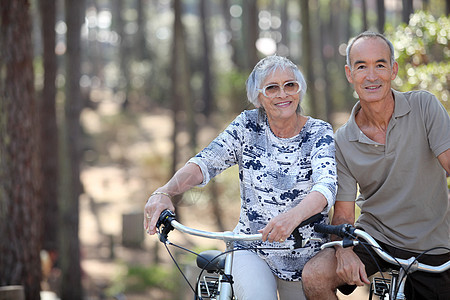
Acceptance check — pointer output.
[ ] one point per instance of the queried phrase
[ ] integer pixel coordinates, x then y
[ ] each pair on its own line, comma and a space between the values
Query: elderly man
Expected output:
396, 148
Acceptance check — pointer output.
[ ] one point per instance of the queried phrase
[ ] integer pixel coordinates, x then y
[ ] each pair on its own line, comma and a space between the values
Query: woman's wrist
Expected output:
161, 193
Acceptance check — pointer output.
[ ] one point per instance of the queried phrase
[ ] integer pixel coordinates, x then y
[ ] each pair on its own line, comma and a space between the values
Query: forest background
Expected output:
102, 100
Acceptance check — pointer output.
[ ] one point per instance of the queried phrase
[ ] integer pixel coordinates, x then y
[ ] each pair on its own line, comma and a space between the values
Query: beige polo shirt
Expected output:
404, 195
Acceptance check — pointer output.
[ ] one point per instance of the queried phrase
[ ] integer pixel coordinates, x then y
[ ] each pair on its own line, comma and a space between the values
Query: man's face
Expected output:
371, 72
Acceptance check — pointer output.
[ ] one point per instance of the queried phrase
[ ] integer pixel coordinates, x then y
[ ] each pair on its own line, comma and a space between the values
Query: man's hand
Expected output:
350, 268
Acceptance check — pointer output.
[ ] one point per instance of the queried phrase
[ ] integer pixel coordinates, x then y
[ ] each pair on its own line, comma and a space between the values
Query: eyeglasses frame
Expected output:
263, 90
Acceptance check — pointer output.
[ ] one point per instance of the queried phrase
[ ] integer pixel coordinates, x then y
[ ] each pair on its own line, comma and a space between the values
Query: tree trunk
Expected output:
71, 287
181, 92
20, 202
381, 13
307, 56
326, 27
251, 32
207, 96
123, 51
49, 129
364, 15
142, 52
236, 57
407, 10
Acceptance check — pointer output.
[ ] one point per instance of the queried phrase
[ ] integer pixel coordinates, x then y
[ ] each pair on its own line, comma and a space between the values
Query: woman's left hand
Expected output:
279, 228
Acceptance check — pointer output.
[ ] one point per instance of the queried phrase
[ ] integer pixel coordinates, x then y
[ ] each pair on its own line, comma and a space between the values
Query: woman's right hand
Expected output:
156, 204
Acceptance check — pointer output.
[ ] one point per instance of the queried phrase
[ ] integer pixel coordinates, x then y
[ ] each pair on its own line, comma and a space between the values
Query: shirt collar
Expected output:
401, 109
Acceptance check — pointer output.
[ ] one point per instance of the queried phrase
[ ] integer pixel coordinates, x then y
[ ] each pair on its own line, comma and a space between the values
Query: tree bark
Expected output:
407, 10
49, 129
307, 56
207, 95
364, 15
71, 287
251, 32
381, 13
20, 202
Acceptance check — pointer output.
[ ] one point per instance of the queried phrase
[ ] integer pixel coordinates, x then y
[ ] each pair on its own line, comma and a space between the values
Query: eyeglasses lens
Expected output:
289, 88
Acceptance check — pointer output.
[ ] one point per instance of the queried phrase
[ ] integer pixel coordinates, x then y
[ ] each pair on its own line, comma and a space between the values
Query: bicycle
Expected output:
218, 285
385, 288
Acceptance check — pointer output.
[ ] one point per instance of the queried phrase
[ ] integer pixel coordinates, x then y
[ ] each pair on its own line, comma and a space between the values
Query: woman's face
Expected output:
282, 106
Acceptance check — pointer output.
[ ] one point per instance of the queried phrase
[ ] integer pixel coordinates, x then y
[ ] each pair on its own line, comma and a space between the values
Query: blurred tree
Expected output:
251, 32
307, 55
124, 53
20, 179
208, 81
365, 25
381, 15
407, 10
327, 31
71, 287
235, 44
141, 44
423, 53
49, 130
180, 92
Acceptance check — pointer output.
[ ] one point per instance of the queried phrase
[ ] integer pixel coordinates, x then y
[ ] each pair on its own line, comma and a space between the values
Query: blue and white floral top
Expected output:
275, 175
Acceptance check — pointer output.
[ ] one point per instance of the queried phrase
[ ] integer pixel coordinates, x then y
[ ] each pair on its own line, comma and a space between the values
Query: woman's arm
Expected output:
184, 179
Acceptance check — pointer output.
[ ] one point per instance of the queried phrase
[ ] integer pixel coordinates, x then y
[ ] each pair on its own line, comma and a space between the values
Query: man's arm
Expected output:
444, 159
349, 266
344, 212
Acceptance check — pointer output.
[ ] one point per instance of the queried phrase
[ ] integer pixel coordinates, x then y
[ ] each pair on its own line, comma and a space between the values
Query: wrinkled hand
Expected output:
155, 205
279, 228
350, 268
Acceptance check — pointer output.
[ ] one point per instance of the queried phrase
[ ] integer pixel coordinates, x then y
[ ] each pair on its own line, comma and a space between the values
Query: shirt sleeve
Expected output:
324, 166
221, 153
347, 188
437, 123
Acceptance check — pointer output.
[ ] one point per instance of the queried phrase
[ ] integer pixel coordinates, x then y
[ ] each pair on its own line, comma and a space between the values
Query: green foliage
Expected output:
140, 278
423, 53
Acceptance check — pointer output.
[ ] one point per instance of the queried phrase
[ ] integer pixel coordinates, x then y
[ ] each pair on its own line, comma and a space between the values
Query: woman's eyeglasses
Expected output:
273, 90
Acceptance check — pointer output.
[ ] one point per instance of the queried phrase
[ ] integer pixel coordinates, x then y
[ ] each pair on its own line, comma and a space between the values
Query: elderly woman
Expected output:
287, 174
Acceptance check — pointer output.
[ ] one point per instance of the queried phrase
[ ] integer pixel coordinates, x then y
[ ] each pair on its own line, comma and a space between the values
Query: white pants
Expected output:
253, 279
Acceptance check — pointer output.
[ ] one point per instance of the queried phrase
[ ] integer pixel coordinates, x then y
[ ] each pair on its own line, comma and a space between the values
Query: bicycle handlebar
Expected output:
167, 223
350, 235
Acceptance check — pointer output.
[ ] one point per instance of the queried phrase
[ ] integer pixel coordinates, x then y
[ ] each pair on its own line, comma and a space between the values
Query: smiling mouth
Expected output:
285, 103
372, 87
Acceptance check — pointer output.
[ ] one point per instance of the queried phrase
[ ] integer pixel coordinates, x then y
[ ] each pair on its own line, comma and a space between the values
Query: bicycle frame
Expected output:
406, 266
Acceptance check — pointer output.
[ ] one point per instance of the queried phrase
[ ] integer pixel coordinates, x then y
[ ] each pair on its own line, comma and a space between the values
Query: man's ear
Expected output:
394, 70
348, 74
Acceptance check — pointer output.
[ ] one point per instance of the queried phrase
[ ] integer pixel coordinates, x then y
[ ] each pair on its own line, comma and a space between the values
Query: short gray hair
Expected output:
370, 34
266, 66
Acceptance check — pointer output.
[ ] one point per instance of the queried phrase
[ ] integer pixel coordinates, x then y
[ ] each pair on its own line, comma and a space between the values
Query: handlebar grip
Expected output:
312, 219
298, 238
164, 220
343, 230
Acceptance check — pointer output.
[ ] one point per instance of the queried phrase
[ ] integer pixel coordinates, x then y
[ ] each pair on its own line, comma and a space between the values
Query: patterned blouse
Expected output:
275, 175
